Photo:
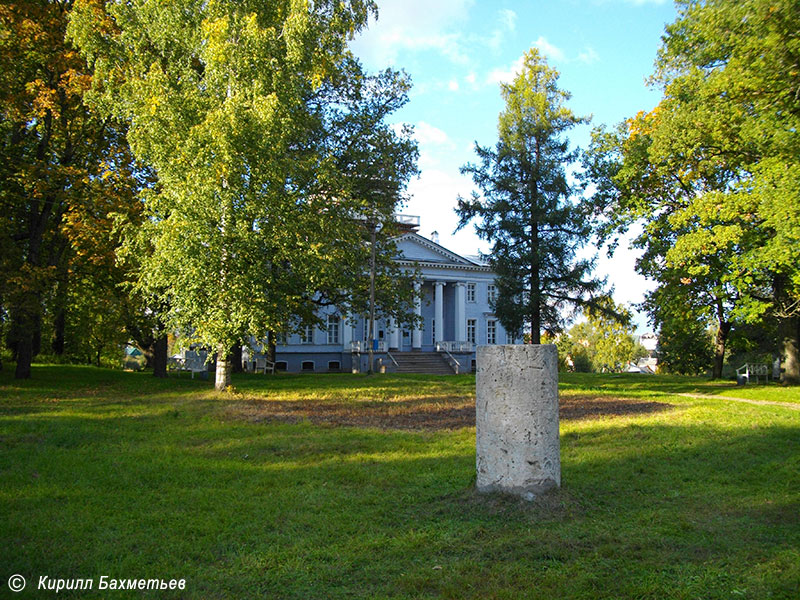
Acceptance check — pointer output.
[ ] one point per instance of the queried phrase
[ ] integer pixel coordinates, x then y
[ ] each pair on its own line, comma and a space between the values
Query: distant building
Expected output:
457, 293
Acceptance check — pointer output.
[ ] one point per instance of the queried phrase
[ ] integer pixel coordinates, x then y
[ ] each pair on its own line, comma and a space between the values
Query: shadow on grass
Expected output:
295, 511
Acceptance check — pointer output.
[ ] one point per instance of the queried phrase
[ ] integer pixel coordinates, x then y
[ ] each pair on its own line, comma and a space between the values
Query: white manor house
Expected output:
455, 306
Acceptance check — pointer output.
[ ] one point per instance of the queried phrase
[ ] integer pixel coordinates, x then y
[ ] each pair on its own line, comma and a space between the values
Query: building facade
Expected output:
456, 294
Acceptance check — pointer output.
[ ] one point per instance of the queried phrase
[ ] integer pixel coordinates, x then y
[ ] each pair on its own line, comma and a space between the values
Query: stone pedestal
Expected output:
517, 444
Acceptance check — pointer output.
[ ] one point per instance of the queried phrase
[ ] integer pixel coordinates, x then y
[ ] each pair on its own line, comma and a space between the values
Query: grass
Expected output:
120, 474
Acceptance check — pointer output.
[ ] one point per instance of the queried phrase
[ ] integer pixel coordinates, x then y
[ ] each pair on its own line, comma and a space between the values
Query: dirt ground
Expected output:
419, 415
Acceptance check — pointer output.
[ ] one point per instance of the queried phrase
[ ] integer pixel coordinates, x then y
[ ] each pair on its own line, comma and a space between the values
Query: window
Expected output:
491, 331
334, 365
281, 365
433, 331
509, 338
281, 338
471, 326
470, 292
307, 334
491, 293
307, 365
333, 329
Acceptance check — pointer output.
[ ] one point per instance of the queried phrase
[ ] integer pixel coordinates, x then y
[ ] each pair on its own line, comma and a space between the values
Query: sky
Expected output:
458, 51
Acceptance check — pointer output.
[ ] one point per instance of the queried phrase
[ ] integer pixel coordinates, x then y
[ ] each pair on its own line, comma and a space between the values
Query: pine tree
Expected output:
527, 210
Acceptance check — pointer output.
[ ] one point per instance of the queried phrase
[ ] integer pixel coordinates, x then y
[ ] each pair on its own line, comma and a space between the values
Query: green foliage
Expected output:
603, 343
685, 346
714, 170
271, 147
527, 210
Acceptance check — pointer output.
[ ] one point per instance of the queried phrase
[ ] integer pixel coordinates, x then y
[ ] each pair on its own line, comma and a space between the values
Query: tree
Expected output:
637, 178
527, 210
55, 160
725, 132
604, 342
256, 120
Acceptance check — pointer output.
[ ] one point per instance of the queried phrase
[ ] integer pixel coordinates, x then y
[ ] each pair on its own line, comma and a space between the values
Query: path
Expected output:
747, 400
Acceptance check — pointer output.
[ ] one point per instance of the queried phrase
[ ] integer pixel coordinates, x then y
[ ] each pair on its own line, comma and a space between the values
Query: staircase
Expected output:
422, 362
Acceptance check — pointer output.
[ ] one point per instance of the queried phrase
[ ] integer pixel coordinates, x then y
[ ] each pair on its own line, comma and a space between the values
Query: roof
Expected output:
415, 249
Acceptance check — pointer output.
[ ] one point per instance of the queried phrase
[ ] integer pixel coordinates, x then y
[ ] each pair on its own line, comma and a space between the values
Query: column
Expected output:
347, 332
394, 334
416, 333
438, 310
461, 312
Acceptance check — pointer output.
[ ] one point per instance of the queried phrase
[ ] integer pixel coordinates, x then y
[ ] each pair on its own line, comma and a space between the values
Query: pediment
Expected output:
415, 248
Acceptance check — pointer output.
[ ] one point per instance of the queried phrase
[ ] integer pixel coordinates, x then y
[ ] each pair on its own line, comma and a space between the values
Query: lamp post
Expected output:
373, 226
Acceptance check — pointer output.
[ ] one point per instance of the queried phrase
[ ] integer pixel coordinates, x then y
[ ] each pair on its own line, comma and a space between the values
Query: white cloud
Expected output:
505, 75
507, 23
416, 25
435, 195
452, 85
429, 134
554, 53
588, 56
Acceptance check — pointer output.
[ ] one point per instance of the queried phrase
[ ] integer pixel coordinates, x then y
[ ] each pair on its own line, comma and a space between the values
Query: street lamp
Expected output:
373, 342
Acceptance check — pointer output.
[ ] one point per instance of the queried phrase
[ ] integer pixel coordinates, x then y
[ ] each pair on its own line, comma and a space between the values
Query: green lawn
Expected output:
347, 486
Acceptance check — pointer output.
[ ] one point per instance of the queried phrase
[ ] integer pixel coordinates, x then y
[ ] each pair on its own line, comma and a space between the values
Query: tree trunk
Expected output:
160, 356
59, 326
789, 328
236, 358
24, 356
719, 349
271, 346
223, 378
21, 342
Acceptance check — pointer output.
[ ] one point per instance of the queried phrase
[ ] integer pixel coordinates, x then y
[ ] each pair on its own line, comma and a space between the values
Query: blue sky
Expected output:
457, 52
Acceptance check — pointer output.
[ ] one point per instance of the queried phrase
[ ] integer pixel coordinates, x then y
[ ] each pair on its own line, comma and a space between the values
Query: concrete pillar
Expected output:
416, 333
461, 312
347, 332
438, 310
517, 445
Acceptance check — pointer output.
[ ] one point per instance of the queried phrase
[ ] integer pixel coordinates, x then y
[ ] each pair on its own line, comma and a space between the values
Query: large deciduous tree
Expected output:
270, 147
62, 168
526, 208
725, 139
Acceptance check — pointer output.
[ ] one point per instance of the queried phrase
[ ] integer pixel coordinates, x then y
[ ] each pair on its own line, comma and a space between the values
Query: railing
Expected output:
389, 354
454, 364
412, 220
457, 347
358, 347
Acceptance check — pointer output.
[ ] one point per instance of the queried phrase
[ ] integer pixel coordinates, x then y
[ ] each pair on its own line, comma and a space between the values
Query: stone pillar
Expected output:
461, 313
517, 443
393, 334
438, 310
416, 333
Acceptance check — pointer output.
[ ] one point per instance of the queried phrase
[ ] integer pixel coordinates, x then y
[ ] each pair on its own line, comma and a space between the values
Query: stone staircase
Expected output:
421, 362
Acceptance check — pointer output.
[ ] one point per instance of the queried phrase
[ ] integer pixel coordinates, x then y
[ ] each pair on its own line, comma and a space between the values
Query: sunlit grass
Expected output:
120, 474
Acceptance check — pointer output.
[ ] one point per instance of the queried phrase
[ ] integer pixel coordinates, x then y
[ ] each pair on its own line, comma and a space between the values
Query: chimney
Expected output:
435, 237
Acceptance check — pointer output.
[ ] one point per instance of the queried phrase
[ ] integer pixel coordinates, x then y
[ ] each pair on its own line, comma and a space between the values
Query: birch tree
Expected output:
250, 113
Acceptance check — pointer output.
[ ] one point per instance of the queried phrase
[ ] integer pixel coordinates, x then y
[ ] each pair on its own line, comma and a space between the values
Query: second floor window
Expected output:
491, 293
333, 329
491, 331
470, 292
307, 334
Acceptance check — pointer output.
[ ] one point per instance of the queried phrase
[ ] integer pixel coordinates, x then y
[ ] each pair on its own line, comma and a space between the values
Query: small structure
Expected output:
517, 444
749, 371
